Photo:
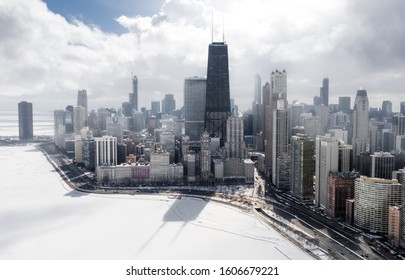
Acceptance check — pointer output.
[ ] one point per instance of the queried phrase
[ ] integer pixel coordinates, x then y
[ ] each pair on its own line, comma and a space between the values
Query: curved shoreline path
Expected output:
41, 218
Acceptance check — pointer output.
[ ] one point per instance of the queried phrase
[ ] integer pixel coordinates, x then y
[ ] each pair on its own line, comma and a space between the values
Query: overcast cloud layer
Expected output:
45, 59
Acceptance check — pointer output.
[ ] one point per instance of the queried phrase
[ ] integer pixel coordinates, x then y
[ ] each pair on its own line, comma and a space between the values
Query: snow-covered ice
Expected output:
41, 218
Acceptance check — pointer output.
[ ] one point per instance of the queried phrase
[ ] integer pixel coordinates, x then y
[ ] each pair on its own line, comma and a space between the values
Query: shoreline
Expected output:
233, 201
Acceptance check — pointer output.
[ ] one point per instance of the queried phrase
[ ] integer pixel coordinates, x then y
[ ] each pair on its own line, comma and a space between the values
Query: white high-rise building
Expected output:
235, 146
159, 166
372, 198
205, 156
280, 145
106, 150
361, 138
326, 160
278, 84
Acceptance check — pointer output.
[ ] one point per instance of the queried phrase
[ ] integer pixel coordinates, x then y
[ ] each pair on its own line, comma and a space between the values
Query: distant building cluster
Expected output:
348, 161
203, 143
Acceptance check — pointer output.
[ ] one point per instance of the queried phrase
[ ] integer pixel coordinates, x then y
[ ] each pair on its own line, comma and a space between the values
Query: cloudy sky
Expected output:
50, 49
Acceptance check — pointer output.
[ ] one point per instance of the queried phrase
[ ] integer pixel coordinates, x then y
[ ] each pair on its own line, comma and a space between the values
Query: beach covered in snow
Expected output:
41, 218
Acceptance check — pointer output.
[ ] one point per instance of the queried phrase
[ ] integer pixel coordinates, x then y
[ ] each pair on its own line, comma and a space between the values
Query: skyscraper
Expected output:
302, 167
278, 91
295, 115
25, 120
258, 89
280, 150
361, 140
79, 118
218, 107
325, 92
126, 109
344, 104
326, 160
133, 96
386, 108
105, 150
398, 124
323, 112
205, 156
194, 106
340, 188
155, 107
69, 119
382, 165
168, 104
235, 145
372, 200
257, 105
58, 121
82, 101
312, 124
266, 111
402, 235
138, 121
402, 108
279, 84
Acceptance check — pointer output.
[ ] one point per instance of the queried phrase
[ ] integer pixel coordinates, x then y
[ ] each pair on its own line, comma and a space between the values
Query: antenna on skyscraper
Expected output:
223, 28
212, 25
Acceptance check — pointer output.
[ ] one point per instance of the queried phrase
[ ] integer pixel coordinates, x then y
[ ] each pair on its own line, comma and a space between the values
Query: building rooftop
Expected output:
378, 180
362, 92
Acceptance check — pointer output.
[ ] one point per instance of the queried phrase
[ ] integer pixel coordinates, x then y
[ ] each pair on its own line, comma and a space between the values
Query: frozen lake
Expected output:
42, 123
40, 218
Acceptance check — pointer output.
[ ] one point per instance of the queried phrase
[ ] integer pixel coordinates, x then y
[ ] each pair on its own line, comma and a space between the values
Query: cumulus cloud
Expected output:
46, 58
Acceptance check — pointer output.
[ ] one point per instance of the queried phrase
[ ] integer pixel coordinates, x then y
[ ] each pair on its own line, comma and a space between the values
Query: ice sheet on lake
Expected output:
40, 218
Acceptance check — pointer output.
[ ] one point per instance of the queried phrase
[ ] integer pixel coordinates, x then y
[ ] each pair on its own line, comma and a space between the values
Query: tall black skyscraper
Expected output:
218, 107
25, 120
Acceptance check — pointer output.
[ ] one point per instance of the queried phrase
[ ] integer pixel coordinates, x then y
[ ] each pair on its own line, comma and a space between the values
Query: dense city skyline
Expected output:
348, 166
348, 42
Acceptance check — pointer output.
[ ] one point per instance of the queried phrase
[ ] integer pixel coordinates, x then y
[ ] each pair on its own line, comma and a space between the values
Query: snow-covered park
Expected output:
41, 218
